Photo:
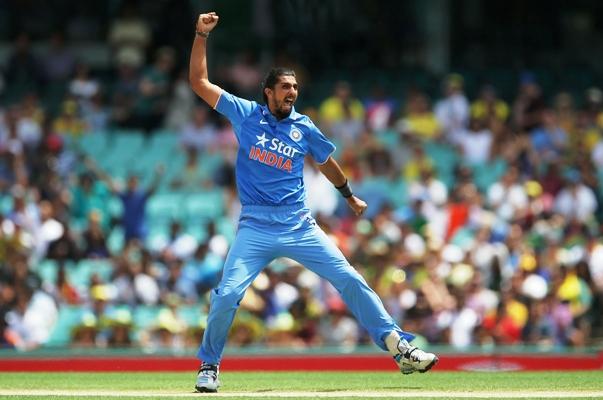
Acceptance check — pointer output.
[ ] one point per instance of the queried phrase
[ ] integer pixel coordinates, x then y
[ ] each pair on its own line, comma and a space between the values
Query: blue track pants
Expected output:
268, 232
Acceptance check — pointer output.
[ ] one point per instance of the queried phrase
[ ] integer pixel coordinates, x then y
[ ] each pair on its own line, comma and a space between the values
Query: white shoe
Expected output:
207, 378
409, 358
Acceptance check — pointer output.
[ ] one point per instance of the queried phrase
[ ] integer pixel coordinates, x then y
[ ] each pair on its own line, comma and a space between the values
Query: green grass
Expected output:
336, 383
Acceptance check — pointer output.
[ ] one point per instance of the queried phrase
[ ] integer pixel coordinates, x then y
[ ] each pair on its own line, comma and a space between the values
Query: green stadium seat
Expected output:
116, 240
197, 230
131, 141
102, 267
397, 193
6, 204
167, 140
484, 175
145, 316
164, 207
388, 138
47, 270
204, 205
445, 159
190, 313
158, 235
69, 317
208, 163
226, 227
115, 207
93, 144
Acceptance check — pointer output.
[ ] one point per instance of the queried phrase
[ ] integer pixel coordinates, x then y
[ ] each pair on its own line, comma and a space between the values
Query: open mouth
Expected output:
289, 101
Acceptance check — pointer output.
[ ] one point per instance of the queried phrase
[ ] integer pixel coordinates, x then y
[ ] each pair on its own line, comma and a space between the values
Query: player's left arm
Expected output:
335, 175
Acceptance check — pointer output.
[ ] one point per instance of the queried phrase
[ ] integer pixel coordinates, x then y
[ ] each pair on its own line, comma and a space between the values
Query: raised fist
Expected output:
207, 22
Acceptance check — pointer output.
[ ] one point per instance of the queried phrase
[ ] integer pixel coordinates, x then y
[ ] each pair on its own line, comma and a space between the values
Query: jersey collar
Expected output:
268, 116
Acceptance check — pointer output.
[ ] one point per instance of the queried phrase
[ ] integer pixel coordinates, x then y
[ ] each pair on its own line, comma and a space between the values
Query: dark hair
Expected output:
272, 78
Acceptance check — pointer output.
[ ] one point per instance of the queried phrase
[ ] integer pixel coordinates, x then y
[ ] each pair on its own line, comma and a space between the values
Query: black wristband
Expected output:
202, 34
345, 189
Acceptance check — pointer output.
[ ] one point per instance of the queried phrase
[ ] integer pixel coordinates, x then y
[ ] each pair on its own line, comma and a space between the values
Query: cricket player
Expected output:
274, 221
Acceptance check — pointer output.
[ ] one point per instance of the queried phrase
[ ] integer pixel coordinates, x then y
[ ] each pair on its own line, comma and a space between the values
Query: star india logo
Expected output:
262, 139
295, 134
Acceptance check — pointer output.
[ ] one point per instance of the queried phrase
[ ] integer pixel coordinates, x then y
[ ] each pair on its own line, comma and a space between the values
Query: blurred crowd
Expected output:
483, 226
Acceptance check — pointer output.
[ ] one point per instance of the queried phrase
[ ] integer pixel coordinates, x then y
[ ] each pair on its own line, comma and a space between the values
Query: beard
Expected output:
283, 110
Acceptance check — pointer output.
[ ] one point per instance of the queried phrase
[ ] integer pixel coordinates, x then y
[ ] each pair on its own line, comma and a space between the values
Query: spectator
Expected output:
379, 109
82, 87
244, 74
528, 105
125, 92
419, 121
199, 134
507, 197
69, 124
339, 329
96, 115
94, 238
475, 143
453, 110
576, 201
549, 140
322, 199
179, 244
134, 201
129, 34
342, 114
59, 62
30, 120
31, 321
203, 268
153, 91
89, 194
488, 106
418, 161
182, 103
146, 281
23, 72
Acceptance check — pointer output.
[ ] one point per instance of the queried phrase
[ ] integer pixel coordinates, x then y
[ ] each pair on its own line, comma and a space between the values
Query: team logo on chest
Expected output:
273, 152
295, 134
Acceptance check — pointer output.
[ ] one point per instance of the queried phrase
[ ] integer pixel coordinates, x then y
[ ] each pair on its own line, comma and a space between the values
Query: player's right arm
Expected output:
198, 79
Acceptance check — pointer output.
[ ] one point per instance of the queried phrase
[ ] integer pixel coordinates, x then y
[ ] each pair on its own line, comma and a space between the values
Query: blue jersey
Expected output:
270, 160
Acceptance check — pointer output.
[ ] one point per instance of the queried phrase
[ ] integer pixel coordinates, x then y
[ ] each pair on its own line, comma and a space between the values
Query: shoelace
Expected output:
209, 370
413, 354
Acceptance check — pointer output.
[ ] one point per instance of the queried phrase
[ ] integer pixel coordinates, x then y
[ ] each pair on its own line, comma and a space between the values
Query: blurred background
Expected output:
473, 130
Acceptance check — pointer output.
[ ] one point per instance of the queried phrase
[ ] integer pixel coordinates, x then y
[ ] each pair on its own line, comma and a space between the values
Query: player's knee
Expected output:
224, 299
353, 282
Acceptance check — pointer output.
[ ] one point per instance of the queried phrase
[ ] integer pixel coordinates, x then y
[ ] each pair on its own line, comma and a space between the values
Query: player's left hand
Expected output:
357, 205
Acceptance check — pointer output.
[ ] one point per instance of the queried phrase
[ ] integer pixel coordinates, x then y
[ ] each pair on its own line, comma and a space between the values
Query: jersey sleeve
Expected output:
319, 147
234, 108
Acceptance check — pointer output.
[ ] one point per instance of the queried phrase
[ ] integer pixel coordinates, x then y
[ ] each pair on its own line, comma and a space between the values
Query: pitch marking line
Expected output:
281, 394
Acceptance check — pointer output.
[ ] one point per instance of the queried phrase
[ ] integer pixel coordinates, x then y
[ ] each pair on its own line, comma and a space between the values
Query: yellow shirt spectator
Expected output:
334, 108
480, 110
420, 120
68, 123
425, 126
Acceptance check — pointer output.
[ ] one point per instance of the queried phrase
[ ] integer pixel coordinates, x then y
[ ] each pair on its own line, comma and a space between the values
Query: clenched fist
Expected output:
207, 22
357, 205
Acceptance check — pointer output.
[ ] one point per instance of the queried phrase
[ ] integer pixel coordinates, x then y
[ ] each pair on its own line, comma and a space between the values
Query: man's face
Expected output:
132, 183
283, 96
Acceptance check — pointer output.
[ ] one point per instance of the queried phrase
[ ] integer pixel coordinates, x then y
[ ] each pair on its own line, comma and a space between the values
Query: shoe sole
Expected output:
422, 371
202, 389
431, 364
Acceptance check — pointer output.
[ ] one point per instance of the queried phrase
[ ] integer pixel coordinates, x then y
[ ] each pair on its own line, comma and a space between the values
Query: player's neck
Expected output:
279, 115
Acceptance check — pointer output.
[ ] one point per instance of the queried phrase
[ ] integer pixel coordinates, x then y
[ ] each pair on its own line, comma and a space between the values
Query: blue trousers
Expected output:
268, 232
